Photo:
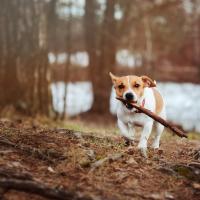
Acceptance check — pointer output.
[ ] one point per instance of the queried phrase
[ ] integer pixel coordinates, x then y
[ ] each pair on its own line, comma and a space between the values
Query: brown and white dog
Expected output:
141, 90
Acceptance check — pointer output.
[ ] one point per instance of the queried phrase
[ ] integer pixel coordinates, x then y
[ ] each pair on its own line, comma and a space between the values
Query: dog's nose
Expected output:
129, 96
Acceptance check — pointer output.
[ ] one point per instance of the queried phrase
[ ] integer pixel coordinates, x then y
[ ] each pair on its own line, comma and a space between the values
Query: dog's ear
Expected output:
113, 77
148, 82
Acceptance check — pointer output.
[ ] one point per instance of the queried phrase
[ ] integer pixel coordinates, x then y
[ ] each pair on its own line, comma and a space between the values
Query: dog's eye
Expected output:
137, 85
121, 86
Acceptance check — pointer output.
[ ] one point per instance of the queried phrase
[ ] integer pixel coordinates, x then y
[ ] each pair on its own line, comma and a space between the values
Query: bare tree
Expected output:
68, 62
196, 33
101, 48
24, 65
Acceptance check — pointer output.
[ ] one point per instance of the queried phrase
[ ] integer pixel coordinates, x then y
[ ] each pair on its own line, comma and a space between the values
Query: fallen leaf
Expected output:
168, 195
50, 169
196, 186
131, 161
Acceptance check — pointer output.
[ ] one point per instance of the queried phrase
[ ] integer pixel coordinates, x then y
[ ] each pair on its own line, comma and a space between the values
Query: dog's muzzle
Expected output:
129, 96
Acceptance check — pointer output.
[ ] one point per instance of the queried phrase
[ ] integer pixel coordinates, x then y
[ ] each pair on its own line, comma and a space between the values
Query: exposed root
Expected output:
38, 188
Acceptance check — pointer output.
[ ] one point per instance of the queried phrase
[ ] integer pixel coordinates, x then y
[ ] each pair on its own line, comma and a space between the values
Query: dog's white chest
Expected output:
134, 118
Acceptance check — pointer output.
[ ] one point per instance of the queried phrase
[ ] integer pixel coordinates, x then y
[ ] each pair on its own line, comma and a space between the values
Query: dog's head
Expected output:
131, 88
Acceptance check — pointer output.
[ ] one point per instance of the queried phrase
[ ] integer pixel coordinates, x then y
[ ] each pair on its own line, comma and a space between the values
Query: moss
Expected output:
193, 136
85, 163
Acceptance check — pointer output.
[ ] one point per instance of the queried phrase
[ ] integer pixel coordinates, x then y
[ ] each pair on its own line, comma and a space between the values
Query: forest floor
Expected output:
41, 160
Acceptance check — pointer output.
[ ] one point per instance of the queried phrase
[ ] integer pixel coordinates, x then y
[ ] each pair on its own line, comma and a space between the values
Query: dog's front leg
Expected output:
125, 130
144, 138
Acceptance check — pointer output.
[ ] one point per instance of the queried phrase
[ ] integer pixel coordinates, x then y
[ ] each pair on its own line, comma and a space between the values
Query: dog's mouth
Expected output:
128, 104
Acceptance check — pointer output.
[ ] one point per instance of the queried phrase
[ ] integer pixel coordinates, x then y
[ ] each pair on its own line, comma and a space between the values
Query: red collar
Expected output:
143, 102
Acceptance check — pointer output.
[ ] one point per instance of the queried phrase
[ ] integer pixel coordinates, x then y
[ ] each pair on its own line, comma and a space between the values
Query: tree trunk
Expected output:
24, 56
10, 83
101, 64
149, 58
196, 35
68, 63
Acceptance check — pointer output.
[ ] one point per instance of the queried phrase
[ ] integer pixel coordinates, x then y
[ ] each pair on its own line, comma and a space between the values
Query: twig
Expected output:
38, 188
102, 161
157, 118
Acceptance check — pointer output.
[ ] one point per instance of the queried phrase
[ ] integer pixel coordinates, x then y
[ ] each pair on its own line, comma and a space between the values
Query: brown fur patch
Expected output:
120, 85
148, 82
159, 101
137, 81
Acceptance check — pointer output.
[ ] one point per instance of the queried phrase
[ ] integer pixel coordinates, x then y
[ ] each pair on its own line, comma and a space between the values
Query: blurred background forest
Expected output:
55, 55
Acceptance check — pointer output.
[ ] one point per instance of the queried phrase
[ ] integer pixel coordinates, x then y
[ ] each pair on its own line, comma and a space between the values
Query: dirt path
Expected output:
96, 168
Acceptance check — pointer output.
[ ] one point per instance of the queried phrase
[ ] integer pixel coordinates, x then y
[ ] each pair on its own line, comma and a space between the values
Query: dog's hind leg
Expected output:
159, 130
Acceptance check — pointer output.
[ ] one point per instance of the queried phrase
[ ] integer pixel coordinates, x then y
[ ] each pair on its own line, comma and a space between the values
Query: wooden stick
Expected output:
38, 188
157, 118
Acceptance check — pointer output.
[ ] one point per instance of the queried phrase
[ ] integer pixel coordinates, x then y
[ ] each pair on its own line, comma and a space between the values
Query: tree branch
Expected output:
157, 118
38, 188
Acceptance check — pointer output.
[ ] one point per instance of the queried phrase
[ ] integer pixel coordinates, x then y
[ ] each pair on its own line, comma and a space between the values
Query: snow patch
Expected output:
182, 101
79, 97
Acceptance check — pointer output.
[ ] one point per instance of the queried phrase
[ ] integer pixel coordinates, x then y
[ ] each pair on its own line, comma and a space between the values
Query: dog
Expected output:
142, 90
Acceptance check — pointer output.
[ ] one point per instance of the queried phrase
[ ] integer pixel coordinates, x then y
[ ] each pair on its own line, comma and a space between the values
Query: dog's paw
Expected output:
143, 152
129, 141
155, 146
